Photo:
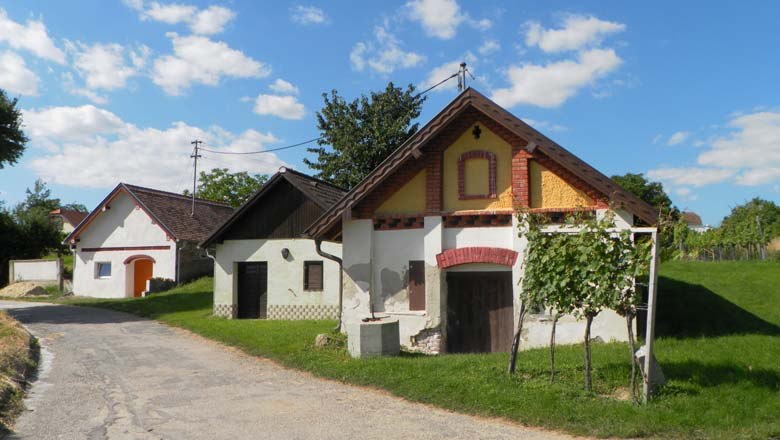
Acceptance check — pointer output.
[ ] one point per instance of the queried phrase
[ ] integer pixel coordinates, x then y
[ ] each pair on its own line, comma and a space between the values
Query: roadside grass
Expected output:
17, 360
718, 344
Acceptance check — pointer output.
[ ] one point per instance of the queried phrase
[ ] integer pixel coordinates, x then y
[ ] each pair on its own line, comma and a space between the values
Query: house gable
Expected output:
122, 224
549, 191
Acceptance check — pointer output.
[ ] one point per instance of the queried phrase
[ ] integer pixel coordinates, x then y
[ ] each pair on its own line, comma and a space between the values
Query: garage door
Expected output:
479, 312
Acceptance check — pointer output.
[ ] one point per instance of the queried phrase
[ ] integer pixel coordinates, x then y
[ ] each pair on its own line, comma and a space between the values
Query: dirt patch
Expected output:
17, 362
22, 289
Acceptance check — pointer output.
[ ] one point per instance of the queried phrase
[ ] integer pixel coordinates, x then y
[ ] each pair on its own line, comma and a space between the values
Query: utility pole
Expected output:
195, 156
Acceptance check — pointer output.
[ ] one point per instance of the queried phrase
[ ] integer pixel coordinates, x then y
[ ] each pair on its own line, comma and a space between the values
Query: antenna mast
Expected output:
195, 156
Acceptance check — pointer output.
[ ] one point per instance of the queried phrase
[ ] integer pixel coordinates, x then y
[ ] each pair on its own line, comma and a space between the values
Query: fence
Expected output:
43, 271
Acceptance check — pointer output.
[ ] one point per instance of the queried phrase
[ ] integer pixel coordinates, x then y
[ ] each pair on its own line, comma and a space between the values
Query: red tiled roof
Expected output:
70, 215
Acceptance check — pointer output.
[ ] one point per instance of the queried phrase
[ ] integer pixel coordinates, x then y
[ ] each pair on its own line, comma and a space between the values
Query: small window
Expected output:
102, 270
417, 285
312, 275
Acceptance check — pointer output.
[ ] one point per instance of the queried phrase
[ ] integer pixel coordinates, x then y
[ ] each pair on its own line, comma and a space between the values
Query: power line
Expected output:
458, 73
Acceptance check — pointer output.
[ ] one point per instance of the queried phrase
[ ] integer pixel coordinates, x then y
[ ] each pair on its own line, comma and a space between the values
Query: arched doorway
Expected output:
142, 270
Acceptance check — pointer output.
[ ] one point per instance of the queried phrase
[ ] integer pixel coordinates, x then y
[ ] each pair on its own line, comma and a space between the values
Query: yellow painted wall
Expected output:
409, 199
550, 191
477, 170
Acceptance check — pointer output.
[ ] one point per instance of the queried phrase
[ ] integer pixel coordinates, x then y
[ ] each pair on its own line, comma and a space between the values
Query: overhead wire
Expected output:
320, 138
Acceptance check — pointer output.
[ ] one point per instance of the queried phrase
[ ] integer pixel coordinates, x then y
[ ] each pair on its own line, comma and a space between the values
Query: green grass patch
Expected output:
718, 344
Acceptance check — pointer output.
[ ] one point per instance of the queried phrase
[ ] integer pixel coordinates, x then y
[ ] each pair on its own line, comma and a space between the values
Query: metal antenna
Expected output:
195, 156
462, 77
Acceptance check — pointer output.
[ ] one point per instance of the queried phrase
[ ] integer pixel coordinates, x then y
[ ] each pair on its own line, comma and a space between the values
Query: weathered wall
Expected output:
34, 270
488, 141
548, 190
286, 296
124, 225
409, 199
500, 237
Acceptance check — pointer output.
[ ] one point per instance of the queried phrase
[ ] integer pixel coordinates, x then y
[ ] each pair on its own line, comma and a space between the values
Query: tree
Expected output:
362, 133
651, 192
74, 207
37, 234
12, 138
220, 185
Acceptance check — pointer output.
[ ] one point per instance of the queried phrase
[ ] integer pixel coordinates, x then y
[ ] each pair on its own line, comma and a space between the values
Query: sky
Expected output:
115, 91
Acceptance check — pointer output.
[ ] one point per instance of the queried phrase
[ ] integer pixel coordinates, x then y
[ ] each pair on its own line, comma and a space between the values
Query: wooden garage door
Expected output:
252, 290
479, 312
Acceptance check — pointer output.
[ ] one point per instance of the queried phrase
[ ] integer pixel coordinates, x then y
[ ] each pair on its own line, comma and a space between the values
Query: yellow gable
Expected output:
409, 199
548, 190
476, 172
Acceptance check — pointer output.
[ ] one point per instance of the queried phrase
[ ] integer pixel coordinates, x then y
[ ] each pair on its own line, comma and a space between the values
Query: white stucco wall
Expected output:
124, 225
285, 277
376, 260
34, 270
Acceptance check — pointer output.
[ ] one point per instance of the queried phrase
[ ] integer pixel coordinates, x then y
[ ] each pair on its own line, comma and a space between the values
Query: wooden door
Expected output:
252, 290
479, 312
142, 272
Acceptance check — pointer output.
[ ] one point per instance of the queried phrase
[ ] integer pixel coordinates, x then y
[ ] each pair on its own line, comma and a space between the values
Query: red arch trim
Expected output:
455, 257
132, 258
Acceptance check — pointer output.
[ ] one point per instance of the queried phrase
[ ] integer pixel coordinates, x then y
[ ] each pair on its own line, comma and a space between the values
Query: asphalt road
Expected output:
111, 375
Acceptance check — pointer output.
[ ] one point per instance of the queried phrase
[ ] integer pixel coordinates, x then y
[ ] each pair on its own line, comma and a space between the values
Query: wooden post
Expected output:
650, 332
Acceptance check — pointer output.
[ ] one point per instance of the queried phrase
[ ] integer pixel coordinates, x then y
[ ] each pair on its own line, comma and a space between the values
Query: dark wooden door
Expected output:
479, 312
252, 290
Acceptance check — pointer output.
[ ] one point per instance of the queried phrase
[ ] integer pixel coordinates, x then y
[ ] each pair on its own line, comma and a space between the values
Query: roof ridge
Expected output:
316, 179
173, 194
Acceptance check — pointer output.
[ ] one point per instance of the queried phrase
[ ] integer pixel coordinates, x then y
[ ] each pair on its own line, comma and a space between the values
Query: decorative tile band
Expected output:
225, 310
302, 311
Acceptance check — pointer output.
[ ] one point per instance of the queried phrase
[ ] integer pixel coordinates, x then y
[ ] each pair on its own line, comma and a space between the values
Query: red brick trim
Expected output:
521, 197
393, 223
477, 220
477, 154
126, 248
455, 257
132, 258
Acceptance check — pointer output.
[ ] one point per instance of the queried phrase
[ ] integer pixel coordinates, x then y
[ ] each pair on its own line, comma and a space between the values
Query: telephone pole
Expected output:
195, 156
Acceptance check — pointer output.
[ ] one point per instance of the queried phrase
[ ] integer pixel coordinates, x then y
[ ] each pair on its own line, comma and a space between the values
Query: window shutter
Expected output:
312, 275
416, 285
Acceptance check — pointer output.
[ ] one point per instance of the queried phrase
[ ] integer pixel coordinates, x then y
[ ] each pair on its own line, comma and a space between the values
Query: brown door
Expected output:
479, 312
142, 272
252, 290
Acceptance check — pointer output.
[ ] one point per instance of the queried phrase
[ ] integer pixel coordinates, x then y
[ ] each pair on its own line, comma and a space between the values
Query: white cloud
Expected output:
544, 125
107, 66
691, 176
657, 138
552, 84
32, 37
578, 31
488, 47
92, 147
15, 77
285, 107
686, 194
308, 15
678, 138
383, 55
70, 86
209, 21
200, 60
445, 70
282, 86
441, 18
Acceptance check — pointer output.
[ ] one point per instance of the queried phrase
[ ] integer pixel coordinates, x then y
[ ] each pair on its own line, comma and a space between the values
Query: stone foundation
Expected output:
428, 341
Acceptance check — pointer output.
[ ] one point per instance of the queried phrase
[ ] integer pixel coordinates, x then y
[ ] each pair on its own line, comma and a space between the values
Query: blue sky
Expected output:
685, 92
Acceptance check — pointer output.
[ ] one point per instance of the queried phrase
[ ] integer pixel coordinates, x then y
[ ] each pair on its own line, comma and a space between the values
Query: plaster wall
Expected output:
550, 191
124, 225
34, 270
488, 141
285, 276
409, 199
500, 237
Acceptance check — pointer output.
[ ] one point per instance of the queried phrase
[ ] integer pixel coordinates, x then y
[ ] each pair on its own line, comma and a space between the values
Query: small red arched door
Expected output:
142, 272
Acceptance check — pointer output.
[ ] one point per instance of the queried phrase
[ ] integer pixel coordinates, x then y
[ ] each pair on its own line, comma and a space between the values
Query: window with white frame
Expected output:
103, 270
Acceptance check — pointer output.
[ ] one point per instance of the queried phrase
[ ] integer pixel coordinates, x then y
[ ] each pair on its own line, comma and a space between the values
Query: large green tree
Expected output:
37, 233
12, 138
651, 192
360, 134
220, 185
744, 221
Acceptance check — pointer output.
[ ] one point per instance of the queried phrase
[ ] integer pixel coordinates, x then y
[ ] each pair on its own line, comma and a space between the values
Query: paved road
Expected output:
111, 375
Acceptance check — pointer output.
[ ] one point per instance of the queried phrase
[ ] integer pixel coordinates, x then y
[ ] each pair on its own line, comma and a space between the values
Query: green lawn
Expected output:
718, 344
